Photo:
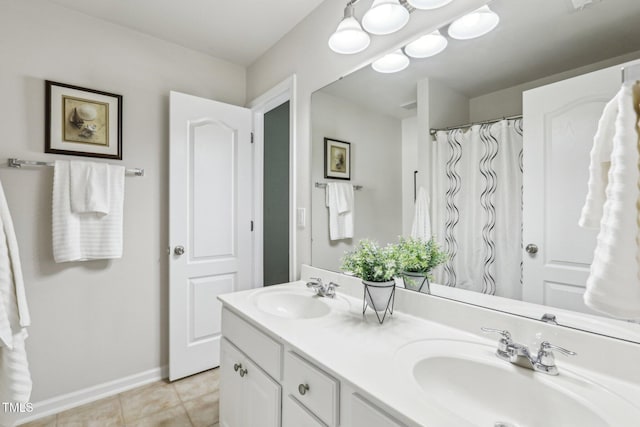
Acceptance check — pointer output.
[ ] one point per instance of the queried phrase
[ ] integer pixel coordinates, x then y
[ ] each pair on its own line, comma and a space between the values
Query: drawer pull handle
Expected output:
237, 366
243, 372
303, 389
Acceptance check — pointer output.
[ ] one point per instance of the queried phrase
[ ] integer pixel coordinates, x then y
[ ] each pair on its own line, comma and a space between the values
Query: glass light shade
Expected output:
349, 37
391, 62
428, 4
427, 45
475, 24
385, 17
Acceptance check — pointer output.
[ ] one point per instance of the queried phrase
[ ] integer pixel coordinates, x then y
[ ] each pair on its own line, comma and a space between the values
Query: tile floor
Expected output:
189, 402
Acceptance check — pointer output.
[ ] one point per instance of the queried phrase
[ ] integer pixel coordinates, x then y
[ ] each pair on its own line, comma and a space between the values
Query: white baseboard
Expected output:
91, 394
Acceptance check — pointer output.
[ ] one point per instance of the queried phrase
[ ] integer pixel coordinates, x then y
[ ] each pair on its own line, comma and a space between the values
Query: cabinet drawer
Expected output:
296, 415
314, 388
365, 414
262, 349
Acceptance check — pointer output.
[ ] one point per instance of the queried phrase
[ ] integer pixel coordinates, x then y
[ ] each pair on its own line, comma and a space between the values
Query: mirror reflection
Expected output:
484, 146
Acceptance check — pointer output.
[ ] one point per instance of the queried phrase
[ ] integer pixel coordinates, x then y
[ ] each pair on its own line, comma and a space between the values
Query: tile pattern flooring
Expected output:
189, 402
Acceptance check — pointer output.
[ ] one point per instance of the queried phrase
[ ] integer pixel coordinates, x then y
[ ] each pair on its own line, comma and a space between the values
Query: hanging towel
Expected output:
86, 236
613, 286
599, 166
339, 200
15, 378
89, 189
421, 228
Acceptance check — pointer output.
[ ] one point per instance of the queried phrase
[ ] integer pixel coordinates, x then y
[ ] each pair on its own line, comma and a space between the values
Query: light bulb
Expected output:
385, 17
391, 62
475, 24
427, 45
349, 37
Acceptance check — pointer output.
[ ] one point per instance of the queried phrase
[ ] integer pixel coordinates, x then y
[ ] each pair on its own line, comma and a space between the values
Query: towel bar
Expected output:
324, 185
17, 163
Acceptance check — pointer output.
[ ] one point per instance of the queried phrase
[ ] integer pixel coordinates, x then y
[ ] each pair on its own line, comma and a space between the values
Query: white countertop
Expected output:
358, 349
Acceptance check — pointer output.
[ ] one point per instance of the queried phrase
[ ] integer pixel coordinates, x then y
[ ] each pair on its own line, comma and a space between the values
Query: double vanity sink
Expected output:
411, 371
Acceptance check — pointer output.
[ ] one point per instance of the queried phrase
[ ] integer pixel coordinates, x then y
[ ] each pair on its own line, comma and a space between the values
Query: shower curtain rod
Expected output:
468, 125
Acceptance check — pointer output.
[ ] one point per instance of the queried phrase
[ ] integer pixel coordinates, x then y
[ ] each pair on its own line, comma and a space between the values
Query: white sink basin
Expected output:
292, 303
468, 380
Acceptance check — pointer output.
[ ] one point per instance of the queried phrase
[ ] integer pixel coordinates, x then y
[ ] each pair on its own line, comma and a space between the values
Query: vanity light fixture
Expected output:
428, 4
349, 37
475, 24
427, 45
385, 17
391, 62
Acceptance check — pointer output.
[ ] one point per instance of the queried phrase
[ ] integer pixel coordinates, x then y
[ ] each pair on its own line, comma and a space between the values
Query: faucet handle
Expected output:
314, 281
505, 334
546, 345
546, 360
504, 342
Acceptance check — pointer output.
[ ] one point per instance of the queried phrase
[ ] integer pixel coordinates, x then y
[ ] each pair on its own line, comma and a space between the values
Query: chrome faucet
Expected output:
518, 354
322, 289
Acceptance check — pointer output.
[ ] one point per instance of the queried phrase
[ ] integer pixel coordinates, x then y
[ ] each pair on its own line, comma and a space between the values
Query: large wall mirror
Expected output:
498, 131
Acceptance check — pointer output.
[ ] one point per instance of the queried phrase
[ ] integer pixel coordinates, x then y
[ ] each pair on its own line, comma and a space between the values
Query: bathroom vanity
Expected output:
293, 359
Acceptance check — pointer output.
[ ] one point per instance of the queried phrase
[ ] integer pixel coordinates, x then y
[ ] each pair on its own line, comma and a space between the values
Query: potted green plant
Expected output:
416, 259
376, 266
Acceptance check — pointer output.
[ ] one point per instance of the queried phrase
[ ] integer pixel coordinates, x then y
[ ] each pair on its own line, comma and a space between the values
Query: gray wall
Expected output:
376, 163
276, 195
99, 321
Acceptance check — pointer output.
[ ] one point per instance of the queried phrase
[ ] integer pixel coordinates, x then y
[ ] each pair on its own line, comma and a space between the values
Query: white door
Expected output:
209, 224
560, 121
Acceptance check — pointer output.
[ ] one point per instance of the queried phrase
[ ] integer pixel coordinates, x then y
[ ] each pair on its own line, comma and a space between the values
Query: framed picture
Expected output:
337, 159
82, 122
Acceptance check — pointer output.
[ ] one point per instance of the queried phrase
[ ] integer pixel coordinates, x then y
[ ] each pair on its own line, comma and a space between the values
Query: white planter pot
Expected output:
416, 281
378, 294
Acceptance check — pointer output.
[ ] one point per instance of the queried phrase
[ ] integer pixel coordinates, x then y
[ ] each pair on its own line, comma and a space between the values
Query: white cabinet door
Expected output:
560, 121
295, 415
248, 396
210, 227
231, 403
364, 414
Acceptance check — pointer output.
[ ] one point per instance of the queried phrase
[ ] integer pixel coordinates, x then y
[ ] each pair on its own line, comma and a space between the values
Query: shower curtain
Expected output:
477, 207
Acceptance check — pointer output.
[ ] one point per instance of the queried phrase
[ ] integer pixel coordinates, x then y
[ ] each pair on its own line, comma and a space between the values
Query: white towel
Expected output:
339, 200
613, 286
15, 378
86, 236
89, 189
421, 228
599, 167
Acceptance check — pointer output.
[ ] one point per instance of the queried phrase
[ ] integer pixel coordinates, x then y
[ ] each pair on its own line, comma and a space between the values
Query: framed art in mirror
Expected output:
337, 159
82, 122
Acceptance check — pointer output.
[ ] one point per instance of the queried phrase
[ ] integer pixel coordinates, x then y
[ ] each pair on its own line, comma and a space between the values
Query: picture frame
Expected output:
82, 122
337, 159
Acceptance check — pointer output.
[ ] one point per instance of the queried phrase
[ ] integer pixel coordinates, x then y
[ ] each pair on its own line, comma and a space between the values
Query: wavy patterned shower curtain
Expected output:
477, 207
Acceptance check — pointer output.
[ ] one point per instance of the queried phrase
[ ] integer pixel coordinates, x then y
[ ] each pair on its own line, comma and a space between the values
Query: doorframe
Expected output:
272, 98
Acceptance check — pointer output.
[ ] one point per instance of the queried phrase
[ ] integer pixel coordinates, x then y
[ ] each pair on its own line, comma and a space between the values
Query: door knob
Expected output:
178, 250
531, 249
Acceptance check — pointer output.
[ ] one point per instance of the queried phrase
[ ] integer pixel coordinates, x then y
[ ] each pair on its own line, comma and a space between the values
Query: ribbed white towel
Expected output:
86, 236
15, 378
599, 166
339, 200
613, 286
89, 189
421, 228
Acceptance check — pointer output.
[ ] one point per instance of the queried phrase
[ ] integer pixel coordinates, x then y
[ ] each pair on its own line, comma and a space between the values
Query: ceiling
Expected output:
535, 39
238, 31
